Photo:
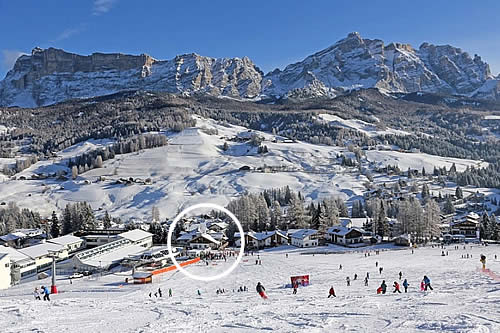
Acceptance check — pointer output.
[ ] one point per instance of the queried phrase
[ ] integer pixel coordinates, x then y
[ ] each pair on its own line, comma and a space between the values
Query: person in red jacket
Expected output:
331, 292
396, 287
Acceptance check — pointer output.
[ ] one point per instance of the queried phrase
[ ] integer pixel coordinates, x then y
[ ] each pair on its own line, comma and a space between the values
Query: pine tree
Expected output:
425, 192
448, 208
342, 208
459, 193
67, 223
484, 227
494, 228
330, 212
54, 226
381, 222
106, 221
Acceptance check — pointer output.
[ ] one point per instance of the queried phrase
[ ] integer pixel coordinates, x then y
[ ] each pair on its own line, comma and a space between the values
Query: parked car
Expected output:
76, 275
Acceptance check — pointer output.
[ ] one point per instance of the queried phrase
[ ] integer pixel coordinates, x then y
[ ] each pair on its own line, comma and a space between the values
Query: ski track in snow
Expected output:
464, 299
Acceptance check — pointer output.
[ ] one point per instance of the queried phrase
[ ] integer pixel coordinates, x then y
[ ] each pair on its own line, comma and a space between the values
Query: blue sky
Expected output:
272, 33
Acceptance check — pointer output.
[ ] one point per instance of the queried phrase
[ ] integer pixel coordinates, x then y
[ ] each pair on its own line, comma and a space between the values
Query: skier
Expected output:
169, 292
405, 285
483, 261
159, 292
295, 286
366, 281
380, 270
355, 276
150, 295
383, 288
331, 292
396, 287
367, 275
36, 293
427, 282
340, 267
376, 263
261, 290
286, 254
400, 275
199, 293
46, 293
348, 280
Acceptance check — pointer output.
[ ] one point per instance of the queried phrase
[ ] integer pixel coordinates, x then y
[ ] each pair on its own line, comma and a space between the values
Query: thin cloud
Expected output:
9, 58
102, 6
68, 33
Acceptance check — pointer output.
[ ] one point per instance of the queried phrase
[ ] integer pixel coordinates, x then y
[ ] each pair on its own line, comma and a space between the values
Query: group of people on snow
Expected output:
44, 291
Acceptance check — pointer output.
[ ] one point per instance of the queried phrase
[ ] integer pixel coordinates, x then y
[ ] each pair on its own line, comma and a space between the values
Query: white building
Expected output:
5, 278
21, 265
69, 242
42, 254
138, 237
129, 244
305, 238
204, 241
262, 239
344, 236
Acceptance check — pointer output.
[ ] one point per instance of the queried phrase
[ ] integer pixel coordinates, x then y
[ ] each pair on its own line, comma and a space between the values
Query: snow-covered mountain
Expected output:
53, 75
354, 62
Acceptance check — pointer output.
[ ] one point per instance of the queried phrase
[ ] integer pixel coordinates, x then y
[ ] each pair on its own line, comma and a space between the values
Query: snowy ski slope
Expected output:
463, 300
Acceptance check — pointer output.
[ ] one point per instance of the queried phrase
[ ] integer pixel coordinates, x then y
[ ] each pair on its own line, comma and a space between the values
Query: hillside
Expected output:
194, 168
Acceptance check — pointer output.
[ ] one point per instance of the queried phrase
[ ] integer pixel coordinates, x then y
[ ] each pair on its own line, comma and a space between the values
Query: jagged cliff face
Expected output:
52, 75
355, 62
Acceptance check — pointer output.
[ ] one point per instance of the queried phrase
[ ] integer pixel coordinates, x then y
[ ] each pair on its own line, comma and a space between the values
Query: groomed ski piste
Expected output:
464, 299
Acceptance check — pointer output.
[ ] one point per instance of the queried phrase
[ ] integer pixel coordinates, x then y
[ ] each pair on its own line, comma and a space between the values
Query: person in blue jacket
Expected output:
46, 293
427, 283
405, 285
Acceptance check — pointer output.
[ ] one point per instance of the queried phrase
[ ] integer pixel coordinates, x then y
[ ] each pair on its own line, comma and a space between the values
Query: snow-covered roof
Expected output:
135, 235
65, 240
266, 234
141, 275
187, 236
303, 233
9, 237
359, 221
207, 237
473, 215
15, 255
341, 231
344, 221
41, 250
222, 225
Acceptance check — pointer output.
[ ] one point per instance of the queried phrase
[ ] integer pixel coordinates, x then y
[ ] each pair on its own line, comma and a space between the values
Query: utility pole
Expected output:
53, 255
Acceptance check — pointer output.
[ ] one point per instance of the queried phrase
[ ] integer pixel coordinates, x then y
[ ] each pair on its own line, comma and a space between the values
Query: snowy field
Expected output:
464, 299
194, 168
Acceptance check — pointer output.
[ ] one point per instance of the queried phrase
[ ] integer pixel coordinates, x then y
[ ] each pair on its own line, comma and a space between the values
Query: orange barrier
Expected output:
173, 267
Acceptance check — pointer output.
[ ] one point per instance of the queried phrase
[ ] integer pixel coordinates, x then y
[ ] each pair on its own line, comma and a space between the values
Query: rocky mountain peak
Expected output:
53, 75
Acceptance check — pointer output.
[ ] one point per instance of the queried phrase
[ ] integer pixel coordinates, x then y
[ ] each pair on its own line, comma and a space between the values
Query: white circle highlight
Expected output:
184, 271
